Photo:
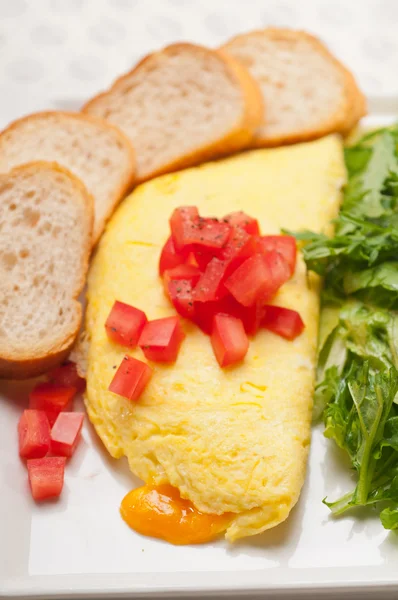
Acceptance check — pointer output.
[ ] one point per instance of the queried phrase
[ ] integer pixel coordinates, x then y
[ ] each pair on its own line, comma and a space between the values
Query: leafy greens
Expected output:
357, 375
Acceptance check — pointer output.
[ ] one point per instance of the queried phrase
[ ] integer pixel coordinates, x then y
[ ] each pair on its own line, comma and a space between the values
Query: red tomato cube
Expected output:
131, 378
284, 244
283, 321
209, 233
191, 260
280, 271
204, 312
189, 229
258, 278
67, 376
34, 434
169, 257
46, 476
182, 272
229, 340
125, 324
240, 219
239, 247
249, 282
204, 255
161, 339
210, 285
251, 316
65, 433
182, 223
52, 398
180, 294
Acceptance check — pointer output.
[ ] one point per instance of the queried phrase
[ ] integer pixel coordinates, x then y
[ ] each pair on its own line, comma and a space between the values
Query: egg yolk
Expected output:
159, 511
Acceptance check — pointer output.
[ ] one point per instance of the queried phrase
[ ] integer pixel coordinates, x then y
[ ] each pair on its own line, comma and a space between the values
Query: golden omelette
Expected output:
233, 440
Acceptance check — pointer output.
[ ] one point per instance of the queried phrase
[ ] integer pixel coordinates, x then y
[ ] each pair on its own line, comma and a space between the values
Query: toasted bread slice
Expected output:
46, 220
92, 149
307, 92
181, 106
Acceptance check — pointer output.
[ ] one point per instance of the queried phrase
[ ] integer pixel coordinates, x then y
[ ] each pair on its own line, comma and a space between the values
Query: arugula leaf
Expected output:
389, 518
362, 332
391, 434
363, 195
356, 420
384, 275
351, 262
356, 158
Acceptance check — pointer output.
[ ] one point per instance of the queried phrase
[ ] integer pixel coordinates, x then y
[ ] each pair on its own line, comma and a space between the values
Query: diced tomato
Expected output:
204, 312
283, 321
239, 247
52, 398
169, 257
210, 233
191, 260
46, 476
204, 255
189, 229
182, 225
258, 278
34, 434
229, 340
187, 272
65, 434
210, 285
280, 272
131, 378
124, 324
249, 281
67, 375
284, 244
161, 339
240, 219
180, 294
251, 316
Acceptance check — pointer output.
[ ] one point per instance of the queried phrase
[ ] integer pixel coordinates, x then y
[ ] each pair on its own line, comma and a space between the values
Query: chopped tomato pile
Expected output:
221, 274
49, 432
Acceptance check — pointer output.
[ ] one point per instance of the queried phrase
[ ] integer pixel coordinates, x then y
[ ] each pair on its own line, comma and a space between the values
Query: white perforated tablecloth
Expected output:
57, 53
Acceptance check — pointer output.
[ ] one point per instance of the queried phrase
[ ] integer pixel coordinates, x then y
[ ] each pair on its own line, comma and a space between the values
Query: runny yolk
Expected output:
159, 511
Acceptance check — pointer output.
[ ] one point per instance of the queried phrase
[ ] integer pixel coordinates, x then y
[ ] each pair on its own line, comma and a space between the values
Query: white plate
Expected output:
80, 547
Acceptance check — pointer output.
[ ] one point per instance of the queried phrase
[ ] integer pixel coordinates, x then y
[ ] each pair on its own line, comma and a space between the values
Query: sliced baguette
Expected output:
181, 106
307, 92
93, 150
46, 220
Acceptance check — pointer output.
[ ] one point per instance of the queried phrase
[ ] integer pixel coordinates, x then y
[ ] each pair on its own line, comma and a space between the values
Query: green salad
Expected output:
357, 377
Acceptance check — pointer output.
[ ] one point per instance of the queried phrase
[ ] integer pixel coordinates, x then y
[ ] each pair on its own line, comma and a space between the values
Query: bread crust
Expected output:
126, 184
239, 137
34, 362
358, 105
353, 106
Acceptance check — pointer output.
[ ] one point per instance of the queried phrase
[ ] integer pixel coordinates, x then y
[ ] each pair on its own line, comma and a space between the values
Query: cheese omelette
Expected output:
233, 440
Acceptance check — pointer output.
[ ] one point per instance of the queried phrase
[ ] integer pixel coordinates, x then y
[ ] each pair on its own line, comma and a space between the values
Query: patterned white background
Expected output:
57, 53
